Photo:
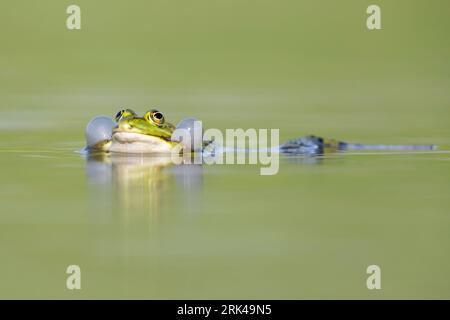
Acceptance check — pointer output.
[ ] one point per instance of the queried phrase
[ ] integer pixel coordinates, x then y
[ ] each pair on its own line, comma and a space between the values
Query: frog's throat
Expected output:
131, 142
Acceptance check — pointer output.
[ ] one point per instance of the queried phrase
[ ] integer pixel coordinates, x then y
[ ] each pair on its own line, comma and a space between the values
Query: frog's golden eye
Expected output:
124, 113
154, 116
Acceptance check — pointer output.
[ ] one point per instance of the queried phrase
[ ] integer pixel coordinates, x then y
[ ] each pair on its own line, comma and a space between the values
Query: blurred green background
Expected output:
300, 66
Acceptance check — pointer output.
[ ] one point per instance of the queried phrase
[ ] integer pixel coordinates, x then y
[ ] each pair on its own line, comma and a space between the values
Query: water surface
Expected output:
139, 228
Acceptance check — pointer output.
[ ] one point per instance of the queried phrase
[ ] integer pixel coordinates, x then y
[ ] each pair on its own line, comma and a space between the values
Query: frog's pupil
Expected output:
119, 114
158, 116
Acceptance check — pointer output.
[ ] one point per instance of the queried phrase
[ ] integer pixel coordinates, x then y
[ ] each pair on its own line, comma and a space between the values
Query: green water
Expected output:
139, 229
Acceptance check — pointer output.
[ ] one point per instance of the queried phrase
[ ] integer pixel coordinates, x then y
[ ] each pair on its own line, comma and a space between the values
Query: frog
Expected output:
131, 133
151, 133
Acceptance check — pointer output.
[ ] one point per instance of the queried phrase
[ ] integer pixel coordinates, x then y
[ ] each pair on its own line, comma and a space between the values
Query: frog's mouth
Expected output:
132, 137
133, 142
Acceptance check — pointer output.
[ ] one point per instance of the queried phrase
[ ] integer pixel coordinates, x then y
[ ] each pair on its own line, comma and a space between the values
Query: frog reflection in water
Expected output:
130, 158
139, 187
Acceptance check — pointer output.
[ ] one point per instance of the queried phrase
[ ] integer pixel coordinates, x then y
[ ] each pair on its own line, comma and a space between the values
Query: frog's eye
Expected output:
124, 113
157, 117
119, 115
154, 116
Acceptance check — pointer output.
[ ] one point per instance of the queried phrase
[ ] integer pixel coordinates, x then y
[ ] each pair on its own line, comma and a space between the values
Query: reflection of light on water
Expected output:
394, 153
140, 187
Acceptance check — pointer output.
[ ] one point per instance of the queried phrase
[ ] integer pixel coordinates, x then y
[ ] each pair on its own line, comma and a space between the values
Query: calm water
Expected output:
140, 228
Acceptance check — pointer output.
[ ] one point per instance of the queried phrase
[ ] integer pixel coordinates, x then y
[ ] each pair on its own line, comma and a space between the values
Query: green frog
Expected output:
151, 133
131, 133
